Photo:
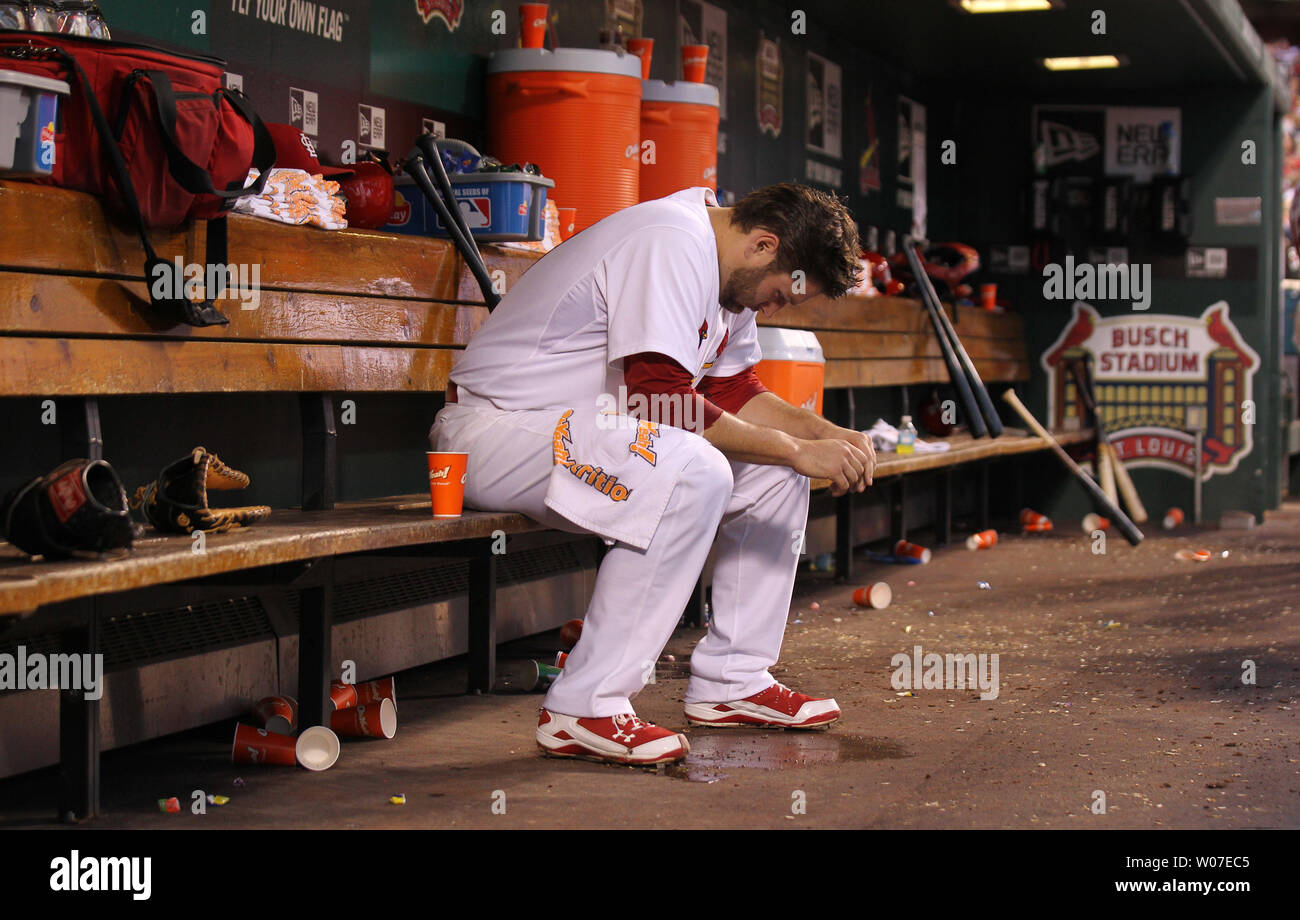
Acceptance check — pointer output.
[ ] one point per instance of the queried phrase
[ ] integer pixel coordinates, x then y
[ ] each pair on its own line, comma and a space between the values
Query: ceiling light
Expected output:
1090, 62
1006, 6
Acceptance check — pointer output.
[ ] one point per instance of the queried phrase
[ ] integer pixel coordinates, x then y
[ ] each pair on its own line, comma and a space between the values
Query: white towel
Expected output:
885, 437
613, 475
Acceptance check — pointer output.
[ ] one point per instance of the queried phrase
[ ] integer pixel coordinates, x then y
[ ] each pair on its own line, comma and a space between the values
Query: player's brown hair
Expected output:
816, 230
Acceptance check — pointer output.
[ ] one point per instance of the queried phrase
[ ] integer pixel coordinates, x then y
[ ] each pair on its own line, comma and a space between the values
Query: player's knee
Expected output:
708, 470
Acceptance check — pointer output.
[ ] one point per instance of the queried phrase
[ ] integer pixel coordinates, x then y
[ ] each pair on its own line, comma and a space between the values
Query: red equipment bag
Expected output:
174, 145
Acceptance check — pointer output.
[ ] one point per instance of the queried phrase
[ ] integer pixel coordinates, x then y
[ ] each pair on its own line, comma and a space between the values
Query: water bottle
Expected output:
907, 436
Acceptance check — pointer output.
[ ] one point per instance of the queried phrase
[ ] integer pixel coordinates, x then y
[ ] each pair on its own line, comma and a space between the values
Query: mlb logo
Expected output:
370, 126
304, 109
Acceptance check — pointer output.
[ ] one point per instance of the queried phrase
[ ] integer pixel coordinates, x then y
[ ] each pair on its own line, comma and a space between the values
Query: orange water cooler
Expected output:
793, 366
575, 112
682, 120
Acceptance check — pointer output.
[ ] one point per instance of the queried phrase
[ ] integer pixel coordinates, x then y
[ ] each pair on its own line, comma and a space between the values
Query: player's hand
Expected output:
846, 465
862, 442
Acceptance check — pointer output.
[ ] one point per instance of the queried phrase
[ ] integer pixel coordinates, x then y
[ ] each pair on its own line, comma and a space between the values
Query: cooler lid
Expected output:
778, 344
577, 60
679, 91
46, 84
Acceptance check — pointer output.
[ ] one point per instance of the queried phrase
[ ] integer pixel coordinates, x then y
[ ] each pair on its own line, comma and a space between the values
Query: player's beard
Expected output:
740, 293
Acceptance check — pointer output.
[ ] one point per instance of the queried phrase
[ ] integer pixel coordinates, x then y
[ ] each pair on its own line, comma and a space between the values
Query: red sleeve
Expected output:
649, 375
731, 393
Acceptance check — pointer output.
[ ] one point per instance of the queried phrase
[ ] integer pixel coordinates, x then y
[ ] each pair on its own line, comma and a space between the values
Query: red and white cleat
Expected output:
621, 739
776, 707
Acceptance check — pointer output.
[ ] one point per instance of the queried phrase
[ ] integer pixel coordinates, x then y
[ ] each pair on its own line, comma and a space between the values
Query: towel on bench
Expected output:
885, 437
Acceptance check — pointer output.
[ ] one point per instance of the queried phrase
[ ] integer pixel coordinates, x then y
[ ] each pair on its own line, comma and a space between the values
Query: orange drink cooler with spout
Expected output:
681, 119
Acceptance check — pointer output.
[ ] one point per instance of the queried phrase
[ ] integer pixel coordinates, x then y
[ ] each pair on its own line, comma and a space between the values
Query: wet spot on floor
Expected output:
714, 753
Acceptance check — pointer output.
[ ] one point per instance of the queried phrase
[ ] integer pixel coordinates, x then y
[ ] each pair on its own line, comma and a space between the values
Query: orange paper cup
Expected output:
877, 596
1093, 522
261, 746
343, 696
903, 548
376, 690
532, 25
988, 296
642, 48
278, 714
568, 219
1173, 517
317, 748
695, 61
982, 540
447, 482
373, 721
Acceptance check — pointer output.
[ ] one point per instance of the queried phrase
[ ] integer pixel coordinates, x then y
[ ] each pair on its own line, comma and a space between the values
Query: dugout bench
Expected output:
347, 312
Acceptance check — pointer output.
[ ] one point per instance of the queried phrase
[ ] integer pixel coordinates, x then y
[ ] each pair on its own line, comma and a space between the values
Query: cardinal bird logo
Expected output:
704, 331
449, 11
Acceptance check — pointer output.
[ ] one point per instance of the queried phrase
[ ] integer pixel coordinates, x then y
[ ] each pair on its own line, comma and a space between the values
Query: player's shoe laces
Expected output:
776, 707
616, 739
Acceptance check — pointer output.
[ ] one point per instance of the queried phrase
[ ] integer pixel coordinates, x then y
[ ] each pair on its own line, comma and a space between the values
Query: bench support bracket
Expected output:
79, 727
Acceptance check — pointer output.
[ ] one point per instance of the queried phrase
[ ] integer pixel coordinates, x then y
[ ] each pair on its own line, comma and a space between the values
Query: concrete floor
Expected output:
1119, 673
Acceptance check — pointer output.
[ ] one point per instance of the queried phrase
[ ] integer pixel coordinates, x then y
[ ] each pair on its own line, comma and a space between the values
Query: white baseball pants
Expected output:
756, 512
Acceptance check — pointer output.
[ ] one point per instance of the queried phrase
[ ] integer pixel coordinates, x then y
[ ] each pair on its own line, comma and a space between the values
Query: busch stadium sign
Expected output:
1149, 371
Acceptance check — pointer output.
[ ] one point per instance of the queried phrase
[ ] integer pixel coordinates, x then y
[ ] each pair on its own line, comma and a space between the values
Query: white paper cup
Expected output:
318, 748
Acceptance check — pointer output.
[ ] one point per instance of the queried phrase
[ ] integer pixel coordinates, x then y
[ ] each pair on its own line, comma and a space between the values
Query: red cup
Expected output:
260, 746
903, 548
988, 296
642, 48
278, 714
343, 696
570, 633
447, 482
695, 62
532, 25
373, 721
982, 540
1033, 522
876, 596
568, 220
560, 659
1173, 517
376, 690
1093, 522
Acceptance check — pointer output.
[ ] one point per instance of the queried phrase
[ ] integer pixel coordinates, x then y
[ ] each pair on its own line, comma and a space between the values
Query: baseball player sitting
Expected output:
612, 392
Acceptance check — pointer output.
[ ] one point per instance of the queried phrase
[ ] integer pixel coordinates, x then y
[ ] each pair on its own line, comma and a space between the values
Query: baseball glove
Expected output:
79, 506
178, 501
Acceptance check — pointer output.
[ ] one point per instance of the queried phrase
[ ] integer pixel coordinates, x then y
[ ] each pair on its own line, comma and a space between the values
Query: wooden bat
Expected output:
943, 326
1111, 510
961, 383
1106, 472
1126, 488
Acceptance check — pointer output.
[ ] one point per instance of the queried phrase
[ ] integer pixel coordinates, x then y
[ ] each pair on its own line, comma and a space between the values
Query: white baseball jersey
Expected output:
644, 279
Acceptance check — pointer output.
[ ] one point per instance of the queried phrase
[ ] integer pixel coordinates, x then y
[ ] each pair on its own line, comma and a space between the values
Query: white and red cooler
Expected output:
793, 366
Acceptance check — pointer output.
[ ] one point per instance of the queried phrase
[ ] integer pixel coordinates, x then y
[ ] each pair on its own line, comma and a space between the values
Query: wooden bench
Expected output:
889, 342
349, 312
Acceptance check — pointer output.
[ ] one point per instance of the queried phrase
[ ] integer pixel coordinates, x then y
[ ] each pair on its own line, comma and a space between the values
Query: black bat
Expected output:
426, 159
961, 380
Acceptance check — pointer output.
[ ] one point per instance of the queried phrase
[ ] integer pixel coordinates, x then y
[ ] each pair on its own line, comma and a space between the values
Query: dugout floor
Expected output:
1119, 672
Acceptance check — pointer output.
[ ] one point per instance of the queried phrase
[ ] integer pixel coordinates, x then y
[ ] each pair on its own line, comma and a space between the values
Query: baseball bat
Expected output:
955, 374
1111, 510
980, 391
1106, 472
1122, 479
